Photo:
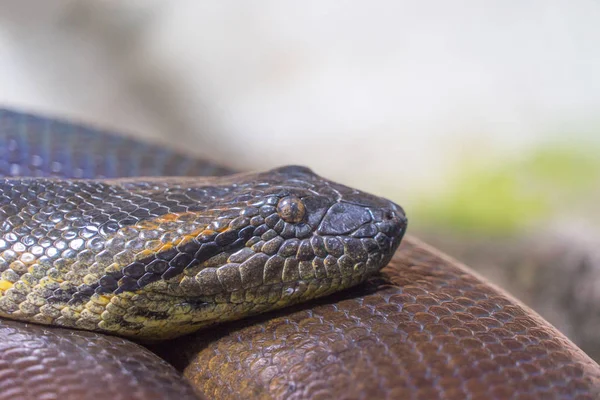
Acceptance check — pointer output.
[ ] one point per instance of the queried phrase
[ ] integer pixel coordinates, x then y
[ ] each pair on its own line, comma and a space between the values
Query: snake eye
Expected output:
291, 209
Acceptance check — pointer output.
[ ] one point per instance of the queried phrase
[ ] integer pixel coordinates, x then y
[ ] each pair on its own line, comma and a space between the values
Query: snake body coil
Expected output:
84, 244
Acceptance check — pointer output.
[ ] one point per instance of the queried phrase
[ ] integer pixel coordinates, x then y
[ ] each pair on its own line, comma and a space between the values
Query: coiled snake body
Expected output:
83, 246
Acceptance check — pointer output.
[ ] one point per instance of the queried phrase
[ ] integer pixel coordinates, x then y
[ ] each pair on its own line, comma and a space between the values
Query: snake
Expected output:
132, 271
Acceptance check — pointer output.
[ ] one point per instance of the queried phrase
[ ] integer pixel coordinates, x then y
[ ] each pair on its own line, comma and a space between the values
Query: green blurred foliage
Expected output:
509, 197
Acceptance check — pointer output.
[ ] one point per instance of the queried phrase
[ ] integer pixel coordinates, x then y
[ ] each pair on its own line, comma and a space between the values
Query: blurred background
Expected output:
480, 118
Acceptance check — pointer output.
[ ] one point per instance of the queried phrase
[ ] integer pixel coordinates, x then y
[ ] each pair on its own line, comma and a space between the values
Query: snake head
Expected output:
159, 257
271, 238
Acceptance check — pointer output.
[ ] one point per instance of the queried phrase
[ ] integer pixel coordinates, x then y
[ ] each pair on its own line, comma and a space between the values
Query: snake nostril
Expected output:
389, 215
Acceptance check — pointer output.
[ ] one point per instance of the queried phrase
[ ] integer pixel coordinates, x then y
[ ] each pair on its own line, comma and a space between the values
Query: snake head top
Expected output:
160, 257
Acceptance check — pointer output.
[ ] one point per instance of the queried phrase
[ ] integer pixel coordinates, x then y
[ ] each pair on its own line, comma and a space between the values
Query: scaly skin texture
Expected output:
426, 328
161, 258
42, 147
43, 363
156, 258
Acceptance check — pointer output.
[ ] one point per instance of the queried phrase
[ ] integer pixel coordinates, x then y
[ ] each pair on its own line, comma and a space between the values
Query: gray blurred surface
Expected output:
332, 85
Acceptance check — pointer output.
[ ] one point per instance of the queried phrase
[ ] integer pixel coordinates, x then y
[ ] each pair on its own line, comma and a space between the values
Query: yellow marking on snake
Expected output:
155, 223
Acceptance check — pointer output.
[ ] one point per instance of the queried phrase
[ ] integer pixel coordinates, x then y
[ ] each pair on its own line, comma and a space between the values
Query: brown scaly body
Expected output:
426, 328
48, 363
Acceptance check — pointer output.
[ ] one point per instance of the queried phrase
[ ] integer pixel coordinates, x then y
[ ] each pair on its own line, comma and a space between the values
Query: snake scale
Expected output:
86, 249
